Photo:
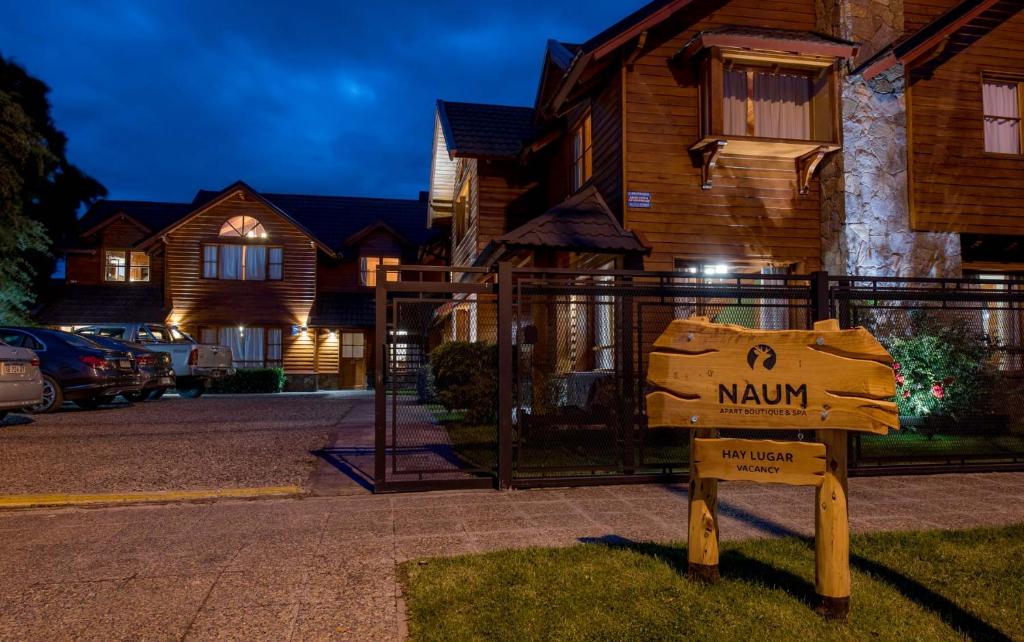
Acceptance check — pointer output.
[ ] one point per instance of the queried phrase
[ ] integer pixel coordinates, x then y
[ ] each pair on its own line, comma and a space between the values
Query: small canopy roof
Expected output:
583, 223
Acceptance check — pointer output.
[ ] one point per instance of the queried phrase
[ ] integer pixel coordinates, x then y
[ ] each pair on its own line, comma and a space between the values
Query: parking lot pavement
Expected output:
216, 442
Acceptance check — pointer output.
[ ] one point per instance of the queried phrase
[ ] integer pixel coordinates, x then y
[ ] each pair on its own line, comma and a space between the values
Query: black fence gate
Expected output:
527, 376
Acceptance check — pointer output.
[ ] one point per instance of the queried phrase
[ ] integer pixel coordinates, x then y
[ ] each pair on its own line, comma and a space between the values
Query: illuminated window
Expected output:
243, 227
116, 265
139, 268
582, 154
368, 269
1001, 103
352, 345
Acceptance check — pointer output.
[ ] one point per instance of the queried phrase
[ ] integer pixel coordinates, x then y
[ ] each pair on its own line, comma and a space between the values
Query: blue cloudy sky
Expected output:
327, 97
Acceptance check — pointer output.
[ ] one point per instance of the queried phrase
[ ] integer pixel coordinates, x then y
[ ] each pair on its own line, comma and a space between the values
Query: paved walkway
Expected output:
324, 567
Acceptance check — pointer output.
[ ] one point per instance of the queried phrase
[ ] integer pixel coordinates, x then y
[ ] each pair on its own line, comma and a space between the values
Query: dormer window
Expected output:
243, 227
766, 92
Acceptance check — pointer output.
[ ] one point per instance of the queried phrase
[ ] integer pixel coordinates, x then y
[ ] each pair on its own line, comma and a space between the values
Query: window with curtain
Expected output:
368, 269
352, 345
766, 104
116, 265
1002, 111
139, 267
582, 153
274, 347
243, 262
246, 343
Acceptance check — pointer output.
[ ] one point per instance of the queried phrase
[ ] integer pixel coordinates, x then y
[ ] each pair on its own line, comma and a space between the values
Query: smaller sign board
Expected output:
760, 460
638, 200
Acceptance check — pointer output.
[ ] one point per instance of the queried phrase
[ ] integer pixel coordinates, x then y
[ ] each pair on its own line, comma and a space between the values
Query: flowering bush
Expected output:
941, 368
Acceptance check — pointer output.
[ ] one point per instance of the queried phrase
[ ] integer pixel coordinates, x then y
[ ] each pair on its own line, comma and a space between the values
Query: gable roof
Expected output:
331, 221
914, 45
474, 130
582, 223
150, 214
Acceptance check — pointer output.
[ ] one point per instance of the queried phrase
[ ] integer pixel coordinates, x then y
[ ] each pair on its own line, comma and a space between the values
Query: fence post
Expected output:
820, 305
505, 374
379, 383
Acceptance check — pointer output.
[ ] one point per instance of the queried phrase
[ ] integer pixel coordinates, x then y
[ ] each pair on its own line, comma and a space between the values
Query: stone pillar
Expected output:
865, 221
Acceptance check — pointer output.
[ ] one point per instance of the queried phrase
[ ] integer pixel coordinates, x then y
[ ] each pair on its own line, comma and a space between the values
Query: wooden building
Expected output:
283, 279
757, 137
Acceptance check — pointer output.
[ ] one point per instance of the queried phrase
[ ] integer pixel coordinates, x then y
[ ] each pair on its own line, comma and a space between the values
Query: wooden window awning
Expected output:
806, 44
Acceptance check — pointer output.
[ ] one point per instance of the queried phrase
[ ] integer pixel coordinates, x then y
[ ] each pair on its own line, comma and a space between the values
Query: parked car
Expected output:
75, 368
155, 368
21, 382
195, 365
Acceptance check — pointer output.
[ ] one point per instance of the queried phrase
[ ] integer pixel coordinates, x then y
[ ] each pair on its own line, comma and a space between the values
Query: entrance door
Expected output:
352, 360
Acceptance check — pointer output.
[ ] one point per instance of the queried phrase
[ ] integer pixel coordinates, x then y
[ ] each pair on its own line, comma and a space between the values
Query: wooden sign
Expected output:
773, 462
727, 376
711, 376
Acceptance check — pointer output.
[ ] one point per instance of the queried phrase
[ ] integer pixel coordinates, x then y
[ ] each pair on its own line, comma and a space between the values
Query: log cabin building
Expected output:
284, 280
753, 136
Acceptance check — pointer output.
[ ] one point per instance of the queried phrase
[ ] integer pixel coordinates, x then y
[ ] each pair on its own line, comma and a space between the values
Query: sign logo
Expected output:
757, 352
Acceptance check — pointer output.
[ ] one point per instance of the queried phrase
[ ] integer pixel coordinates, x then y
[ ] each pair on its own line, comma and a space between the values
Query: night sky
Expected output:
330, 97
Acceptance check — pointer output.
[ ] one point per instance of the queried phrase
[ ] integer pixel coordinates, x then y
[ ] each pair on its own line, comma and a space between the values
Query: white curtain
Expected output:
1002, 117
782, 107
246, 345
255, 263
604, 327
232, 338
274, 346
209, 261
276, 263
230, 261
734, 110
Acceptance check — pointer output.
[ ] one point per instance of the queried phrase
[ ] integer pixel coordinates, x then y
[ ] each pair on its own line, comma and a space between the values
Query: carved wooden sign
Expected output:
709, 376
727, 376
774, 462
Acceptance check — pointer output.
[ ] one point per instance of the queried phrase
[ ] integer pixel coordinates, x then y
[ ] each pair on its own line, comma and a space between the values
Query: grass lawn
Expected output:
935, 585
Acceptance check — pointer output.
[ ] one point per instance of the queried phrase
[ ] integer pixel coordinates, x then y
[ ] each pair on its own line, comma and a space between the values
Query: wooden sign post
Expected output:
710, 376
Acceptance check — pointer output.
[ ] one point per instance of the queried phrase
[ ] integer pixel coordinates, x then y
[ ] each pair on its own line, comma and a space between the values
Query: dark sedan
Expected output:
155, 368
76, 368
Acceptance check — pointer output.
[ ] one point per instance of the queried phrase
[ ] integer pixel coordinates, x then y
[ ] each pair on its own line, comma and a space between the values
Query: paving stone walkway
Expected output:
325, 567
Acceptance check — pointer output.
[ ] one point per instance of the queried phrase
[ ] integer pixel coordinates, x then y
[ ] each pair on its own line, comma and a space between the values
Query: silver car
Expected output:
21, 383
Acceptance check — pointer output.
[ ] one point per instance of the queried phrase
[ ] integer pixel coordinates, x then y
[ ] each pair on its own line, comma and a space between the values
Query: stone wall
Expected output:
865, 225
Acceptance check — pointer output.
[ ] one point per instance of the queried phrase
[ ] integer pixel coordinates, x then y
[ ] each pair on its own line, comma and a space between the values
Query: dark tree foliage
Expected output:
40, 191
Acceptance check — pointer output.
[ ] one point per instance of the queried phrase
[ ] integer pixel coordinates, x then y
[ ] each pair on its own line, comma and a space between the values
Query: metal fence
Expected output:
525, 376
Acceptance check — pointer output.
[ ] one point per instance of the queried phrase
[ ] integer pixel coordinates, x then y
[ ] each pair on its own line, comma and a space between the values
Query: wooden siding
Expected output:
197, 301
327, 351
955, 186
606, 113
918, 13
754, 211
465, 249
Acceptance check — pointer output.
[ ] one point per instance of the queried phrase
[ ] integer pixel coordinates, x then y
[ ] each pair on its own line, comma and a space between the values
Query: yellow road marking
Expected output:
85, 499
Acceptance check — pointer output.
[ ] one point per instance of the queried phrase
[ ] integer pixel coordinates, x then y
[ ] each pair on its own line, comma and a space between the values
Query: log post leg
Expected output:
702, 543
832, 530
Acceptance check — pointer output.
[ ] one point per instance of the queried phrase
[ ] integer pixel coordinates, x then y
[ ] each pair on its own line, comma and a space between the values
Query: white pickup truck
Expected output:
195, 365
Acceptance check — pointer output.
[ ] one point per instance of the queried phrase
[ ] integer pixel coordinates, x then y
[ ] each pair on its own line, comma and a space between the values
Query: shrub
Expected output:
942, 368
251, 381
466, 379
425, 392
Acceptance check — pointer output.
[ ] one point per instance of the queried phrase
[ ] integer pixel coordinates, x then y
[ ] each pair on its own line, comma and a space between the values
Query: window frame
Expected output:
268, 248
267, 361
820, 69
582, 138
995, 77
124, 252
366, 274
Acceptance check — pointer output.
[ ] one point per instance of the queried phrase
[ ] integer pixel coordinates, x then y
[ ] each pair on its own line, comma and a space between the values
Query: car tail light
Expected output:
145, 359
95, 362
35, 361
193, 357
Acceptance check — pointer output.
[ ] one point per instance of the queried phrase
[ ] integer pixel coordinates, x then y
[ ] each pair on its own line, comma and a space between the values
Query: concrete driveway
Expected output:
171, 445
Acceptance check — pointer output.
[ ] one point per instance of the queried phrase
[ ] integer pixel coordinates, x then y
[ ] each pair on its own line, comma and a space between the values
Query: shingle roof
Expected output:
474, 130
333, 219
343, 310
583, 223
152, 214
79, 304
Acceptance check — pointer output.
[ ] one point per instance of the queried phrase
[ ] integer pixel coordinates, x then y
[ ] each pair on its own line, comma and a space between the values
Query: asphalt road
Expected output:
169, 445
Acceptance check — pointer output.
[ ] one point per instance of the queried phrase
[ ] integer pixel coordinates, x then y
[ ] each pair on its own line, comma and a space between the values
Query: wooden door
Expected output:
352, 360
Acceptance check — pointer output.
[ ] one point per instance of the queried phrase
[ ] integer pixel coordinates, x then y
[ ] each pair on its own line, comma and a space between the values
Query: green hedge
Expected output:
251, 381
